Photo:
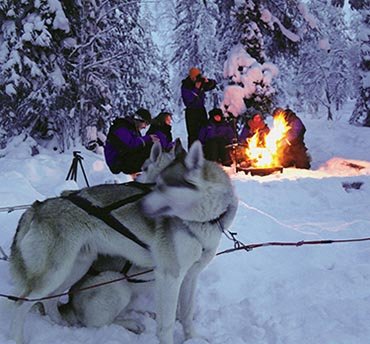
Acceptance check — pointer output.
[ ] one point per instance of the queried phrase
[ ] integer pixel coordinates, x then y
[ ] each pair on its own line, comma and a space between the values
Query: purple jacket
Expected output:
247, 133
164, 134
297, 129
193, 97
216, 130
124, 140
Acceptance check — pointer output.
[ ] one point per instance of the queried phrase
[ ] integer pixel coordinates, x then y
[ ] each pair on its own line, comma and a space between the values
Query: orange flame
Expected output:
266, 153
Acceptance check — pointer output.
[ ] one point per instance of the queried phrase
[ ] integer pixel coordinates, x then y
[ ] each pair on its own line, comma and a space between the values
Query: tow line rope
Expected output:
19, 298
238, 246
16, 207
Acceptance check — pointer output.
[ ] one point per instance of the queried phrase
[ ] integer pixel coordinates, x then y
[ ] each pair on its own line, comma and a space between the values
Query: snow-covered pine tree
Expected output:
127, 91
255, 25
290, 21
270, 28
157, 18
156, 93
249, 26
95, 58
137, 83
35, 37
226, 34
324, 76
69, 66
249, 83
195, 43
227, 37
118, 62
162, 93
361, 112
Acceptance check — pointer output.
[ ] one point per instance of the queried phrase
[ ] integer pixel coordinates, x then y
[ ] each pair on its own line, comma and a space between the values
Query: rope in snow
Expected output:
20, 298
238, 246
15, 207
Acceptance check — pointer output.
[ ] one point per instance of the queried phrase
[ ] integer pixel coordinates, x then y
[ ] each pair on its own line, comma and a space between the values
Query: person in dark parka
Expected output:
293, 150
215, 137
161, 126
126, 149
193, 90
256, 124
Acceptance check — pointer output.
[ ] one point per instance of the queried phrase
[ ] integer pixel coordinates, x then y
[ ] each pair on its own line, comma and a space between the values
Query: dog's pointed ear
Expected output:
178, 148
156, 151
195, 159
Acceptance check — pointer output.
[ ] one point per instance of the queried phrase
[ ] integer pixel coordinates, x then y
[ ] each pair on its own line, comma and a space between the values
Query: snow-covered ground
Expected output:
288, 295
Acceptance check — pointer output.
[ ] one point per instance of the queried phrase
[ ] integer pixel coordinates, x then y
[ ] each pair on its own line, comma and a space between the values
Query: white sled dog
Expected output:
156, 162
103, 306
175, 229
100, 306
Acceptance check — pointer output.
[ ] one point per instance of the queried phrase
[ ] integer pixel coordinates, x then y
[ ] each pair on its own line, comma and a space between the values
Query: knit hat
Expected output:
142, 114
194, 72
214, 112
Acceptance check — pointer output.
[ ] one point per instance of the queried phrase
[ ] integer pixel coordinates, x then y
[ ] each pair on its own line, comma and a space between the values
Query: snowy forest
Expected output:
68, 67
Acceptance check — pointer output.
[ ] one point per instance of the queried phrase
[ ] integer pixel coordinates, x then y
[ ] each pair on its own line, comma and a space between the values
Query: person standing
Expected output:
193, 90
126, 148
161, 126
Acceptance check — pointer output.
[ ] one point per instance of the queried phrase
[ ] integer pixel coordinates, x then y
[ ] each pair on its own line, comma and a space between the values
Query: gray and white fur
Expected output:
180, 221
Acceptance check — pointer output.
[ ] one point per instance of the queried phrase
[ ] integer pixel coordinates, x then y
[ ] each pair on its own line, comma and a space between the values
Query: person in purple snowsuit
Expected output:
293, 150
161, 126
215, 137
126, 149
193, 90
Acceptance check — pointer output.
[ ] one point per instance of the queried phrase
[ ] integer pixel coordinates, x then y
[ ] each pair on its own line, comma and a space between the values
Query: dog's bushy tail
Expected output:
18, 257
18, 267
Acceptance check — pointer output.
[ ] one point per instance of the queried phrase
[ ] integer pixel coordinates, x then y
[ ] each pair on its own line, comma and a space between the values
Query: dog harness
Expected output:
104, 213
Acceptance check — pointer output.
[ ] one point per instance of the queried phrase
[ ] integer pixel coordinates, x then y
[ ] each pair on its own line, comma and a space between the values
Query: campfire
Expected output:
262, 152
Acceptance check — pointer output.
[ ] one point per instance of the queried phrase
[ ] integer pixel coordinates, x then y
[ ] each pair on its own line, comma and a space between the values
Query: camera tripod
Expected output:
72, 173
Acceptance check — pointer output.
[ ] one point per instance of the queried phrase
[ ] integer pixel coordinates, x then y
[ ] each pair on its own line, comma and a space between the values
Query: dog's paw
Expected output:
131, 325
195, 338
149, 314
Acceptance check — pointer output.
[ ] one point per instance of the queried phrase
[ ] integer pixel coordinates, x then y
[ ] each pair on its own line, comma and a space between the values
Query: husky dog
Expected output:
101, 306
192, 202
174, 229
102, 194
